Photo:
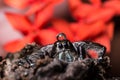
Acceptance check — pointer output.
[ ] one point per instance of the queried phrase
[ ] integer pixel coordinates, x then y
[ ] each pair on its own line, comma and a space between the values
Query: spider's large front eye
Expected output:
60, 46
65, 45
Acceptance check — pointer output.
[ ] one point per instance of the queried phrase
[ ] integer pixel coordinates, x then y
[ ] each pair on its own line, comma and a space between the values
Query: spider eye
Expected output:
65, 45
60, 45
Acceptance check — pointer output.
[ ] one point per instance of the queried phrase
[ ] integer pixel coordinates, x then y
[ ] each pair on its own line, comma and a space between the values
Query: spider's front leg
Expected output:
30, 60
85, 49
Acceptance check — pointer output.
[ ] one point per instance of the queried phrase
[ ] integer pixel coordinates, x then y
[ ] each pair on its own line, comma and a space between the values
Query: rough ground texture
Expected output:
29, 64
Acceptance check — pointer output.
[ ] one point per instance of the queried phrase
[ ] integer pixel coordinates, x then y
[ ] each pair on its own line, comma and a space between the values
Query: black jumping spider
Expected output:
67, 51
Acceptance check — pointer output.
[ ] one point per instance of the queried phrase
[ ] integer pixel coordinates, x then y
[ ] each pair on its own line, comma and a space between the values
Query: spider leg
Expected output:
83, 47
46, 50
98, 48
80, 50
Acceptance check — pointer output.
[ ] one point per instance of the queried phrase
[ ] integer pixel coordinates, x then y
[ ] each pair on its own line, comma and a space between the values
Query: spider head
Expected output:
63, 49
